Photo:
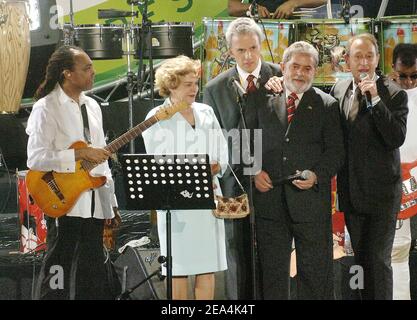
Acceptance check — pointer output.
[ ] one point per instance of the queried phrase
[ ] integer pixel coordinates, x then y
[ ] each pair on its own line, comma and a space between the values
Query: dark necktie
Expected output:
251, 88
86, 130
291, 106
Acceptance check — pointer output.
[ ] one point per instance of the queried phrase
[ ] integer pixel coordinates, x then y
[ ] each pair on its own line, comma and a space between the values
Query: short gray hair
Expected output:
301, 47
242, 26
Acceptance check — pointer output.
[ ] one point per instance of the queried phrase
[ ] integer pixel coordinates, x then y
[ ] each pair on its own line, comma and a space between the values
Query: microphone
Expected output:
239, 89
303, 175
253, 12
368, 97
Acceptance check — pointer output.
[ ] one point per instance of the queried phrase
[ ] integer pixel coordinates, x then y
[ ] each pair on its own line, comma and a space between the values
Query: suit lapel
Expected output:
280, 108
264, 75
306, 101
233, 75
344, 86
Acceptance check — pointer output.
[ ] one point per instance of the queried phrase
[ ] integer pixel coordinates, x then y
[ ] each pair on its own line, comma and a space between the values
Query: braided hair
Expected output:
62, 59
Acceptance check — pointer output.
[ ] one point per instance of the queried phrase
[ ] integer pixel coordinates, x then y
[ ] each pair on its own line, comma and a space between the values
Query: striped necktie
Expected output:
251, 88
291, 106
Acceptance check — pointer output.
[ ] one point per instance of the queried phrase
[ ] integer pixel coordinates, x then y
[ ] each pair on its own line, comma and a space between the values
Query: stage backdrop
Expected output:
86, 12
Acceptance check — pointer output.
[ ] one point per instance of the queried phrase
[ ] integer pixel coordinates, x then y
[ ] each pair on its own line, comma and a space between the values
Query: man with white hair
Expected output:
243, 38
302, 149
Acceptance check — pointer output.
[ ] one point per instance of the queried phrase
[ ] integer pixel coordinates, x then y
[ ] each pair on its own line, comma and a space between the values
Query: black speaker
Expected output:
18, 277
133, 266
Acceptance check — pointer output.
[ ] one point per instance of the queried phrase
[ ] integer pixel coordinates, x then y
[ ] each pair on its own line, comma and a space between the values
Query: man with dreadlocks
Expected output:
73, 267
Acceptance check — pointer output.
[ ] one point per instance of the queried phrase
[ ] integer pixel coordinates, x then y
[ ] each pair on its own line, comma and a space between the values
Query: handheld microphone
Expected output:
303, 175
368, 97
239, 89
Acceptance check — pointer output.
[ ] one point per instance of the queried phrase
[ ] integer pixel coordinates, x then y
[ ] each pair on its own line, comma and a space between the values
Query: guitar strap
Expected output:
87, 137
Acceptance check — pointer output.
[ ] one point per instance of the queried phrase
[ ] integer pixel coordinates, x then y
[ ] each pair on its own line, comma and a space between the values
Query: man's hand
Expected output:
275, 84
116, 221
284, 11
263, 12
368, 85
93, 155
393, 76
306, 184
263, 182
215, 168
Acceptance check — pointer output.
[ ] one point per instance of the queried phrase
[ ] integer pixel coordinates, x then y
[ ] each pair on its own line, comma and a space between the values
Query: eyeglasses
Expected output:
404, 77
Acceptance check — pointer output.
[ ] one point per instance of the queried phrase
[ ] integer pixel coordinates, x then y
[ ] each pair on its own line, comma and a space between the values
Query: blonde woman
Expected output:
198, 239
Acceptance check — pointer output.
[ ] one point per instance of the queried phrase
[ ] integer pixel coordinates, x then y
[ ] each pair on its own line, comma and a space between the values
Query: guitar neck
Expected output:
131, 134
123, 139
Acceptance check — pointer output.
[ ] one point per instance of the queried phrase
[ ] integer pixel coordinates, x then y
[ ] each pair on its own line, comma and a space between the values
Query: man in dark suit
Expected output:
301, 132
243, 37
374, 117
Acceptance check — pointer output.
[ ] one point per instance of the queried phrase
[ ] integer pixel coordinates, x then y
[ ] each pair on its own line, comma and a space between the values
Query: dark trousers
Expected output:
372, 237
314, 252
238, 277
75, 251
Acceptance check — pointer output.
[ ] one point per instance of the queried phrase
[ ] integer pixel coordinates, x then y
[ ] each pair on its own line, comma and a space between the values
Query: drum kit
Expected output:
146, 41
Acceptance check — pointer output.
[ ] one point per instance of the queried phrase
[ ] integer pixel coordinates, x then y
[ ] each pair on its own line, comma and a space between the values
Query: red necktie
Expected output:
251, 88
291, 106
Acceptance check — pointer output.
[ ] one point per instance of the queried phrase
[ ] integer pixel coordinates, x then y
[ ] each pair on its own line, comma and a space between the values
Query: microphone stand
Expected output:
240, 101
145, 35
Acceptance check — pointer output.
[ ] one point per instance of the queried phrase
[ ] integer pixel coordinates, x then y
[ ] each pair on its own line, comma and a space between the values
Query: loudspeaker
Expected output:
18, 277
133, 266
13, 140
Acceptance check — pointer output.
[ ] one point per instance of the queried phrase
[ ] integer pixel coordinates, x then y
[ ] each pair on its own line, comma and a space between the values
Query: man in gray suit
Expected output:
243, 38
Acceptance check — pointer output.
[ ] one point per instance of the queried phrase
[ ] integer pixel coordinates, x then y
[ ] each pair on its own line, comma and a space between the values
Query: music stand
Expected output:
168, 182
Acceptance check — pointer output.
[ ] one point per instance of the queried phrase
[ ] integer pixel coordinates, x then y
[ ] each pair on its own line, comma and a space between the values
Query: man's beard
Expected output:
297, 89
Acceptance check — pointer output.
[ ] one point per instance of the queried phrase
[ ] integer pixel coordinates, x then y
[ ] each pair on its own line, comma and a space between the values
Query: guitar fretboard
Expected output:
125, 138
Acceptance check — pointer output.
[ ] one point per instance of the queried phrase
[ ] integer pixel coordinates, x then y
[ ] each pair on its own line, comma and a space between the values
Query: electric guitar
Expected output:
409, 197
56, 193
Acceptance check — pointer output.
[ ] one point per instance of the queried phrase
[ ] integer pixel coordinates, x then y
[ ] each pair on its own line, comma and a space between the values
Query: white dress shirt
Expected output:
55, 123
408, 150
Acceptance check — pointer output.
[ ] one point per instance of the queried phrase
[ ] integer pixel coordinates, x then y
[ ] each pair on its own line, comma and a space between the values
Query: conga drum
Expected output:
14, 53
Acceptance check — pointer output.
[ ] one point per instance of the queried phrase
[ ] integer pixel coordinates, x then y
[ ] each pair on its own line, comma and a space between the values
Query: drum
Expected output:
168, 40
392, 32
330, 38
14, 53
31, 219
277, 34
100, 42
